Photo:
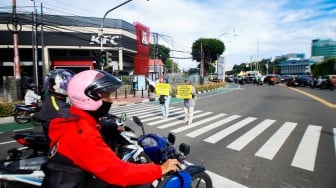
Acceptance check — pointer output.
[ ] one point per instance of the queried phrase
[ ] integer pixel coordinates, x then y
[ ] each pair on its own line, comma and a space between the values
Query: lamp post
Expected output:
102, 26
224, 58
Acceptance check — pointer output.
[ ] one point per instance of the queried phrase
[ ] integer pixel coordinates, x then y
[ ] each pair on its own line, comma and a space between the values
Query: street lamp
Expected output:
224, 59
102, 26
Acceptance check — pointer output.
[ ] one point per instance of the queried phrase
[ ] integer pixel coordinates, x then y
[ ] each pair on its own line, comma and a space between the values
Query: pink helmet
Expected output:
84, 89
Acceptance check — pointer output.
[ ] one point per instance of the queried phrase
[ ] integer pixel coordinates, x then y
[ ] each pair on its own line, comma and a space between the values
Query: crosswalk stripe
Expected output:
306, 152
170, 118
178, 122
246, 138
222, 134
273, 144
212, 126
334, 130
195, 124
154, 117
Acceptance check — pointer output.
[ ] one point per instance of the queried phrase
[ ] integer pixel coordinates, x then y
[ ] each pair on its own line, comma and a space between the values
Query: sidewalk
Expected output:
121, 100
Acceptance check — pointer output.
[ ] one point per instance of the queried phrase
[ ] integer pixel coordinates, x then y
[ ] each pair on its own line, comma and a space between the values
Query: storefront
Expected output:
71, 41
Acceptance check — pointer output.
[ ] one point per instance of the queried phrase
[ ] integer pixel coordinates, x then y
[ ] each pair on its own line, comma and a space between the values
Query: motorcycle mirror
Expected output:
171, 138
184, 148
137, 120
123, 116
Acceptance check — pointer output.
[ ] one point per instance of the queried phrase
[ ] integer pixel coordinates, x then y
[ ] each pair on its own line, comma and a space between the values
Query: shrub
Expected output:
6, 109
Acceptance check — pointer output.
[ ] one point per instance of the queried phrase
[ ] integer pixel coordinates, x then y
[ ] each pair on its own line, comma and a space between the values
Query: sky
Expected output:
251, 30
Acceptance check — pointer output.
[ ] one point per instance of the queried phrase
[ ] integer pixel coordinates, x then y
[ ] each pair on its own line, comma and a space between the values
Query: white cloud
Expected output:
264, 28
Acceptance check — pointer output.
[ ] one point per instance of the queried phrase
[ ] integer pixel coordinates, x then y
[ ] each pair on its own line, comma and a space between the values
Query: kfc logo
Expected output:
144, 38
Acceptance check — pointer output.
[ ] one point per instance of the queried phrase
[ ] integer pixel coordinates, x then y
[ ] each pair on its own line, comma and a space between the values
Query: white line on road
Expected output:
273, 145
197, 123
245, 139
306, 153
212, 126
222, 134
179, 122
181, 115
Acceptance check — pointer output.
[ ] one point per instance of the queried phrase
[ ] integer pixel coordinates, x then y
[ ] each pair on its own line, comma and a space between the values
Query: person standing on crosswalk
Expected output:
189, 105
165, 99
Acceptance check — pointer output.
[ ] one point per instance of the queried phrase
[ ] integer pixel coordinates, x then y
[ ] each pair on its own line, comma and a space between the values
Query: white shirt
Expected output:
31, 97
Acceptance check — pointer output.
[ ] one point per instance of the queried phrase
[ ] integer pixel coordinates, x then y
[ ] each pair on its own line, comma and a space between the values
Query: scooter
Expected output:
26, 170
160, 149
22, 165
26, 113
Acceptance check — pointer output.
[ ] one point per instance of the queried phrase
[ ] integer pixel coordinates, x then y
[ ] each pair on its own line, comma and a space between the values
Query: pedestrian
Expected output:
189, 105
165, 99
31, 98
56, 103
78, 150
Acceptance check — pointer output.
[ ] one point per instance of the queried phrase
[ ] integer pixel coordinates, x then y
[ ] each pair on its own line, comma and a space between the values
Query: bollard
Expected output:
116, 95
133, 92
142, 96
125, 93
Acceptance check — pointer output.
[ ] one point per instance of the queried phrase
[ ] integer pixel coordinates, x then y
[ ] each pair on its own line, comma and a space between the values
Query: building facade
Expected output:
325, 48
72, 42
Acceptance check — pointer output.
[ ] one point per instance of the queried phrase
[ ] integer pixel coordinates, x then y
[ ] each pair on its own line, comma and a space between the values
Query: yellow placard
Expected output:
184, 91
162, 89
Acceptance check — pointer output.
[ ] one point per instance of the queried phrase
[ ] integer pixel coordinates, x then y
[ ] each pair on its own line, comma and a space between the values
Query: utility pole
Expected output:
17, 71
202, 66
35, 47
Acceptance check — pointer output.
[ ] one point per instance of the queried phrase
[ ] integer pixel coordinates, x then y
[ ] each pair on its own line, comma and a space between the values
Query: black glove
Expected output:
108, 124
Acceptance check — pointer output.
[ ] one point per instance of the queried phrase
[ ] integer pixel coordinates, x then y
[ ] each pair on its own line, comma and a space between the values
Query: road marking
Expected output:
212, 126
178, 122
223, 133
195, 124
181, 115
273, 145
306, 153
154, 117
331, 105
335, 139
246, 138
219, 181
3, 143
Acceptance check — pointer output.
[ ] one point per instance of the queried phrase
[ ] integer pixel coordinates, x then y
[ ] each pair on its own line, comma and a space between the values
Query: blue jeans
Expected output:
165, 107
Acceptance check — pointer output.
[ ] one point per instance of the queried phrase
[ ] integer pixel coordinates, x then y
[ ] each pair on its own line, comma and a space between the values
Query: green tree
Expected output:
324, 68
160, 51
212, 49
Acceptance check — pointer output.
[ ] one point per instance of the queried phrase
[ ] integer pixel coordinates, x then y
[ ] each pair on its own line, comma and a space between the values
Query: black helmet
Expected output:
57, 81
32, 86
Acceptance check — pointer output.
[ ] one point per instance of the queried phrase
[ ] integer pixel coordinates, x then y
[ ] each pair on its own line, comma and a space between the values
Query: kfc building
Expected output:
72, 42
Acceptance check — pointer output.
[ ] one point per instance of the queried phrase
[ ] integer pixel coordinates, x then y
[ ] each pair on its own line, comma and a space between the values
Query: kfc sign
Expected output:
144, 38
107, 39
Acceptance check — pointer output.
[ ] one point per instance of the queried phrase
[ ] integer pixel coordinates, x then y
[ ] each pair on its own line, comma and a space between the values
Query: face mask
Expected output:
101, 111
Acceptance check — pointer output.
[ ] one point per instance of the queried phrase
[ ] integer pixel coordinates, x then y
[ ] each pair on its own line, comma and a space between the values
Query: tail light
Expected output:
22, 141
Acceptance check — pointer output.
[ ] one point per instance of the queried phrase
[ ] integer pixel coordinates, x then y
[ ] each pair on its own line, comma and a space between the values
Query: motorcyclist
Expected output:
78, 148
55, 103
31, 97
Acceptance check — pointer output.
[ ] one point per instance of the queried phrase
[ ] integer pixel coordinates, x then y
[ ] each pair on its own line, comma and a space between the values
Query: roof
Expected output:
155, 62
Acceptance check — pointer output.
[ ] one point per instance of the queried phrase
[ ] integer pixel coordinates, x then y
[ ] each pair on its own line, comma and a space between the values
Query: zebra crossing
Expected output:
226, 125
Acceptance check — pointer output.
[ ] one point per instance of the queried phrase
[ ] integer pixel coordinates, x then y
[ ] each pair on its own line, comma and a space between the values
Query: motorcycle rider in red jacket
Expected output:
78, 150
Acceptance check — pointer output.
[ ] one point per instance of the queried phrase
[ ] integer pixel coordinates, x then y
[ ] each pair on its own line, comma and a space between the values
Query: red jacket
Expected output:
80, 141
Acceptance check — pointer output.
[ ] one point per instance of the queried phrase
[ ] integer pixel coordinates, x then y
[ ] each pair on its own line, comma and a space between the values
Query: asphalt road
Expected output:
251, 136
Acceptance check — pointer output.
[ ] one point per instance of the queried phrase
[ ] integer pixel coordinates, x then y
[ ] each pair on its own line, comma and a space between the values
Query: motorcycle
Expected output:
160, 149
25, 169
26, 113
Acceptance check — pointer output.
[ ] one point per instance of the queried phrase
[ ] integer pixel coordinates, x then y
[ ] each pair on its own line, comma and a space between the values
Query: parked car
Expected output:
304, 80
